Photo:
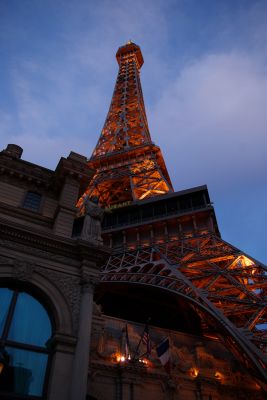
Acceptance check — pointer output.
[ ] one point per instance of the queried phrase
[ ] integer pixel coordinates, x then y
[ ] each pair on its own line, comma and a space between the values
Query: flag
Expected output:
146, 340
127, 343
163, 352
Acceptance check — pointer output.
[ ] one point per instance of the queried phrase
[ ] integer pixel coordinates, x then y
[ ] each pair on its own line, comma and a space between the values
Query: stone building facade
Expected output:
201, 367
39, 258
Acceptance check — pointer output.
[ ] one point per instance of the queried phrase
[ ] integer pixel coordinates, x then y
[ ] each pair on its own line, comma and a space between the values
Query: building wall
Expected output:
39, 256
219, 374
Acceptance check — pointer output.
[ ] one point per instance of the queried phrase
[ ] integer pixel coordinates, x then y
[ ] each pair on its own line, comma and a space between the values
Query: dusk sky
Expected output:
204, 82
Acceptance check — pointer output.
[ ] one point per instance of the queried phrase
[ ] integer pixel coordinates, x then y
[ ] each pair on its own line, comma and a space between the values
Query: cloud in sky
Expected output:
204, 83
214, 118
214, 111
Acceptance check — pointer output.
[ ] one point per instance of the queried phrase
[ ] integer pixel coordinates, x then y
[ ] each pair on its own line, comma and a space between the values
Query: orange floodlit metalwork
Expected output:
183, 253
128, 165
208, 272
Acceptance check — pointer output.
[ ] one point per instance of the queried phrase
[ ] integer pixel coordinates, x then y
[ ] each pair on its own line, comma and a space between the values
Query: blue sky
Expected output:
204, 82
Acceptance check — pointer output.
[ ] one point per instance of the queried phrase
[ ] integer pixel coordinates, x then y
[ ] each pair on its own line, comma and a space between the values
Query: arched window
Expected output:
25, 329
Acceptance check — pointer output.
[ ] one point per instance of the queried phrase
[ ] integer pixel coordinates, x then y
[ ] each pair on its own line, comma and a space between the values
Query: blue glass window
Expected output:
25, 329
32, 201
29, 313
25, 372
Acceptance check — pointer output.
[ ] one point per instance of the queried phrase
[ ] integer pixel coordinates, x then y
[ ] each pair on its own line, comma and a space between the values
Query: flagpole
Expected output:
137, 348
152, 348
127, 347
141, 338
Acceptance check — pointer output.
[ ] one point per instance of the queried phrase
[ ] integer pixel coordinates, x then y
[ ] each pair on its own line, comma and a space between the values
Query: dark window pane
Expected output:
159, 209
32, 201
185, 203
172, 206
134, 216
198, 200
5, 298
147, 212
77, 227
25, 372
109, 220
122, 218
30, 323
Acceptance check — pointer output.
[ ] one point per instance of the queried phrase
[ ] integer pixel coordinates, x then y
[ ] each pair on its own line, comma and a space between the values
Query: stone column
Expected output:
81, 359
66, 210
61, 368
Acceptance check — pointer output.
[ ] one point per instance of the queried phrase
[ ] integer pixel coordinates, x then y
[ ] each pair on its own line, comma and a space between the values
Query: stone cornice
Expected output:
26, 215
24, 173
20, 170
50, 246
73, 168
68, 166
129, 368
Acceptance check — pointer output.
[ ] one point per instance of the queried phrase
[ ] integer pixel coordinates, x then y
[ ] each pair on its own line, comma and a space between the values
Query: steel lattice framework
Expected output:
128, 165
226, 286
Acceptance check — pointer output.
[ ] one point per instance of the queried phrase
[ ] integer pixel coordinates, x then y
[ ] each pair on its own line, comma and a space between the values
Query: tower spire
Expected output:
126, 122
128, 165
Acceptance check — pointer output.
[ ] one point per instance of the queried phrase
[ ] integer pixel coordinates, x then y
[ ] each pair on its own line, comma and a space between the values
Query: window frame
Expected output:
27, 193
5, 342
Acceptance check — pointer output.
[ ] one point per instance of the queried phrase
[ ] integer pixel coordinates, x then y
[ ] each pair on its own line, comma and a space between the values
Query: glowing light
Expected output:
143, 361
4, 358
257, 386
194, 372
120, 358
145, 195
218, 376
214, 337
244, 261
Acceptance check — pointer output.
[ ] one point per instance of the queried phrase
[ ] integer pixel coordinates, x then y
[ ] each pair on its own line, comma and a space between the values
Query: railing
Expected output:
154, 217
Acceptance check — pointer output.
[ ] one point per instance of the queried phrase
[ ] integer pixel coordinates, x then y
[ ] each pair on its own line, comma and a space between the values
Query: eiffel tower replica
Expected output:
168, 242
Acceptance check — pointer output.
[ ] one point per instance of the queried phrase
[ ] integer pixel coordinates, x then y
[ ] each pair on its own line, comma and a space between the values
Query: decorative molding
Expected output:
69, 287
26, 215
6, 261
37, 252
88, 278
49, 246
23, 270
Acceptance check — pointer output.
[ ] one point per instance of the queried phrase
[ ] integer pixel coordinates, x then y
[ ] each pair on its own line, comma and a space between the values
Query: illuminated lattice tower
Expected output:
165, 241
128, 165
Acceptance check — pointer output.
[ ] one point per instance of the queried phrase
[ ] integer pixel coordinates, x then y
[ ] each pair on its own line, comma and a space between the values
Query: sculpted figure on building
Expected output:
92, 220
